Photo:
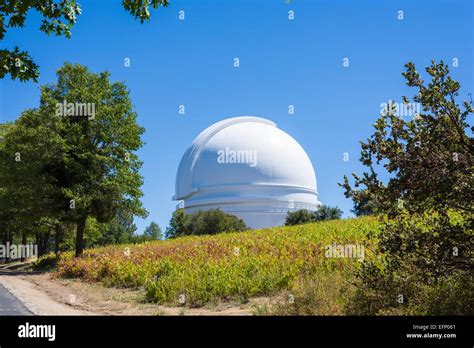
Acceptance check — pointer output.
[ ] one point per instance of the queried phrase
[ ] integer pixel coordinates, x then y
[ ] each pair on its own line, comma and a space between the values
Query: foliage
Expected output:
27, 201
74, 167
226, 266
46, 262
322, 294
426, 244
214, 221
364, 206
430, 156
327, 213
298, 217
141, 9
419, 256
303, 216
153, 231
203, 222
120, 230
58, 18
178, 224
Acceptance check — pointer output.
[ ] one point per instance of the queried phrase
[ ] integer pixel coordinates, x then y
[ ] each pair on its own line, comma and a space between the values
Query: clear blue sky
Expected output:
283, 62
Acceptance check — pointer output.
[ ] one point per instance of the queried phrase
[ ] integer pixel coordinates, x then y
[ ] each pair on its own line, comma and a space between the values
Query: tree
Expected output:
299, 217
426, 243
203, 222
429, 157
214, 221
364, 206
179, 224
119, 230
84, 135
58, 18
303, 216
327, 213
153, 232
27, 199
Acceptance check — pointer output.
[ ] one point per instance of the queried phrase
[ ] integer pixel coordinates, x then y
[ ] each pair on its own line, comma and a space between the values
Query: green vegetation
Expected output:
203, 222
58, 18
426, 244
304, 216
76, 180
153, 232
228, 266
72, 161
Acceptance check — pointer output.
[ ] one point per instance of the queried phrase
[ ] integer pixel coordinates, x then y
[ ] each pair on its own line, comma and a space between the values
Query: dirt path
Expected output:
38, 302
45, 294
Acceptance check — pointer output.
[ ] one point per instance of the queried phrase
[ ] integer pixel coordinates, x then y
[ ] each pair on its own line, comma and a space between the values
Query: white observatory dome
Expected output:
247, 167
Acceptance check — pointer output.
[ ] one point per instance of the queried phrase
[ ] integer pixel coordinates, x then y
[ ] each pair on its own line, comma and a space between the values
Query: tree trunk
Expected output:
9, 243
6, 238
39, 244
24, 247
81, 226
57, 238
46, 243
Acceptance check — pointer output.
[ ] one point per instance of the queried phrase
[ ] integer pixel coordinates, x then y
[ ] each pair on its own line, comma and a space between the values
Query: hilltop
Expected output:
298, 265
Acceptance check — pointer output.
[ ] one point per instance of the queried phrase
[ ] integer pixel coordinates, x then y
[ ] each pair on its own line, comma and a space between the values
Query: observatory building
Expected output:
247, 167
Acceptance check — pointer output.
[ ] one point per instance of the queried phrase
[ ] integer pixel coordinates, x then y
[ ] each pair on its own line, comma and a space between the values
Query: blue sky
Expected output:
282, 62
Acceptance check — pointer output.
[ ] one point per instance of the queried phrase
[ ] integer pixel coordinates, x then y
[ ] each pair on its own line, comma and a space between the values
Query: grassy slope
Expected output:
229, 266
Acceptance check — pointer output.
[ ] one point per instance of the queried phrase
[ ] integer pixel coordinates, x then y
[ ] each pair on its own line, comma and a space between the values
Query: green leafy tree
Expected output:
87, 163
212, 221
327, 213
299, 217
426, 243
119, 230
429, 157
179, 224
364, 205
26, 196
58, 18
153, 232
303, 216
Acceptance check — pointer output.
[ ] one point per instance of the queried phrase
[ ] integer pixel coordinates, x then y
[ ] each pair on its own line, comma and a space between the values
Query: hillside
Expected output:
200, 270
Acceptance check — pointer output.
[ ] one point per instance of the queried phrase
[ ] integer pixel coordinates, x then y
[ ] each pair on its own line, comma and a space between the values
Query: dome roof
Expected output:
256, 154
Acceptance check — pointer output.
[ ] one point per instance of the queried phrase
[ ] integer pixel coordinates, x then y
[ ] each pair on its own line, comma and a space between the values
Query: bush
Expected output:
179, 224
424, 268
426, 244
46, 262
203, 222
321, 294
299, 217
452, 295
213, 222
304, 216
227, 266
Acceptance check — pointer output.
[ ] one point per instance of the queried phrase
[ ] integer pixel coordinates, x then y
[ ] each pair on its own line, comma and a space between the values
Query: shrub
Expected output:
425, 267
304, 216
223, 267
212, 221
299, 217
179, 224
46, 262
426, 244
321, 294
